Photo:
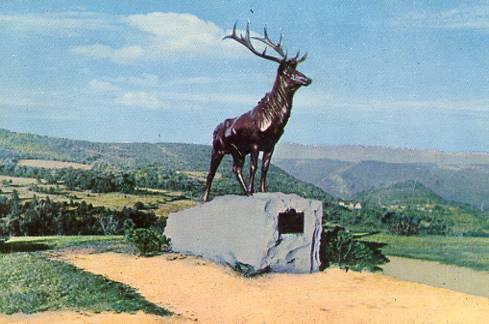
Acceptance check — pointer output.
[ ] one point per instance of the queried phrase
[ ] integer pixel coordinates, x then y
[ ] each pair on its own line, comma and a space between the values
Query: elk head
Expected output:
287, 70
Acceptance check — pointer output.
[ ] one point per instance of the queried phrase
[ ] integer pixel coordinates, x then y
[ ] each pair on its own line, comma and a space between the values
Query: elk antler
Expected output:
277, 47
267, 41
302, 59
246, 41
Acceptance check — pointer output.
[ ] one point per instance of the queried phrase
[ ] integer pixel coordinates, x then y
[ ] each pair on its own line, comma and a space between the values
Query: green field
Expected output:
32, 282
471, 252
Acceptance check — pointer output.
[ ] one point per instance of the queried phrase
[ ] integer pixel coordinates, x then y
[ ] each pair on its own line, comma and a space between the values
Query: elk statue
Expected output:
259, 129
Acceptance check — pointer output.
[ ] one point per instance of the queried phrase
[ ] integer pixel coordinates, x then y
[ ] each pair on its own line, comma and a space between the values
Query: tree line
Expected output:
106, 179
39, 217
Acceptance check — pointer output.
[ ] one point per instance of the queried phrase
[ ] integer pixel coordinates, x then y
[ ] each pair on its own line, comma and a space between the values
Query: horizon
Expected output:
398, 148
399, 75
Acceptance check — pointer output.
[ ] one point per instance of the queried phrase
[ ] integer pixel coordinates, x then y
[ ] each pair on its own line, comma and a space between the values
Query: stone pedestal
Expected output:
266, 232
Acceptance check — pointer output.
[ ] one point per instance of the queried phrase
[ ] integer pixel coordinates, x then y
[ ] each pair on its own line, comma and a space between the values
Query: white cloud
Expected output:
144, 80
149, 36
102, 86
146, 91
59, 21
323, 102
16, 101
140, 99
207, 97
122, 55
178, 33
163, 35
476, 17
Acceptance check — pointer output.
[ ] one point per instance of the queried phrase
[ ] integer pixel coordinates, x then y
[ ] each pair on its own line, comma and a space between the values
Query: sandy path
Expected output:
64, 317
201, 290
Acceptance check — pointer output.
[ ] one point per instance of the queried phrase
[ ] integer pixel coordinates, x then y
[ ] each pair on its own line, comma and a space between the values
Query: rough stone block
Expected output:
267, 231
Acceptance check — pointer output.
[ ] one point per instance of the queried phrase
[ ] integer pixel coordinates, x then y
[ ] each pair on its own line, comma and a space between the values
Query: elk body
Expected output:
259, 129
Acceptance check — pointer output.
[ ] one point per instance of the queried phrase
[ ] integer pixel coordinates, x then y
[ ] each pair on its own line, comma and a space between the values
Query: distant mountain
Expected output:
357, 153
344, 171
324, 173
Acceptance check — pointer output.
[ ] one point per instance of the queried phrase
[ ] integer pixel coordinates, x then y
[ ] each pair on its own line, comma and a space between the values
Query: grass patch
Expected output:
51, 164
30, 283
468, 252
173, 207
118, 201
40, 243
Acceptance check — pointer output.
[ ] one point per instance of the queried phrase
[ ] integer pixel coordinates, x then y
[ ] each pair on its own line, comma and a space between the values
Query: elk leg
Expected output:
253, 163
216, 158
267, 157
238, 162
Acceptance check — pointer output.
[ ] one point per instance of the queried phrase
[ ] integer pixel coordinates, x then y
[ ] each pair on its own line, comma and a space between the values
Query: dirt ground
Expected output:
198, 290
65, 317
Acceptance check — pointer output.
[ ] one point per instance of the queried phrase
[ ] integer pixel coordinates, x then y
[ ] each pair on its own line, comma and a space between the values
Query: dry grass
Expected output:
16, 181
21, 185
200, 175
47, 164
118, 201
113, 200
174, 206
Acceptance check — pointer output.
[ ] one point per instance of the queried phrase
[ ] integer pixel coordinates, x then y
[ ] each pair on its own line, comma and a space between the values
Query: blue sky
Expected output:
394, 73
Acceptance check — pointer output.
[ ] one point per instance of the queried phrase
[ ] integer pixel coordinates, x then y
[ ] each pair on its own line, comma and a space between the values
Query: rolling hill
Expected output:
408, 192
413, 199
461, 177
384, 185
174, 156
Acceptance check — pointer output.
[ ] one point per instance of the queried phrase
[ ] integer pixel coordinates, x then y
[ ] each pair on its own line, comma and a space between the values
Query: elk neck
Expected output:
279, 101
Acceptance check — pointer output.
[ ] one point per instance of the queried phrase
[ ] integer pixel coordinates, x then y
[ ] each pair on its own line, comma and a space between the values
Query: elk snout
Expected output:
301, 79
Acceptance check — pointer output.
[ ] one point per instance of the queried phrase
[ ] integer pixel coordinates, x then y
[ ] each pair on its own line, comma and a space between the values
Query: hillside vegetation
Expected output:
418, 206
172, 155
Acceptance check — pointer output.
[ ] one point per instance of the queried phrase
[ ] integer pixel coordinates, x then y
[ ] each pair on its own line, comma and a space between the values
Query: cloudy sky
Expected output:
404, 73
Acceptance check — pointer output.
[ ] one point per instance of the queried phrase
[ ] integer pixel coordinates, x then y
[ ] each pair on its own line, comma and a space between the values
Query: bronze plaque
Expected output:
290, 222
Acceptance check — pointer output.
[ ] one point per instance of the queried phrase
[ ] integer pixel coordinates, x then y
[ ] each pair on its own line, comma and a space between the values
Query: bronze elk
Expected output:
259, 129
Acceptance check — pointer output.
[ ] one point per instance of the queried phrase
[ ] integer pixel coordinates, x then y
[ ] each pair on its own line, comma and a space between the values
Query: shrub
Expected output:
401, 224
48, 217
148, 241
440, 226
4, 233
344, 249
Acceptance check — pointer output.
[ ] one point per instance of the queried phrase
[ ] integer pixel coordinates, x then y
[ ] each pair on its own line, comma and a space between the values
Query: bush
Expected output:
439, 226
344, 249
39, 217
148, 241
401, 224
4, 233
